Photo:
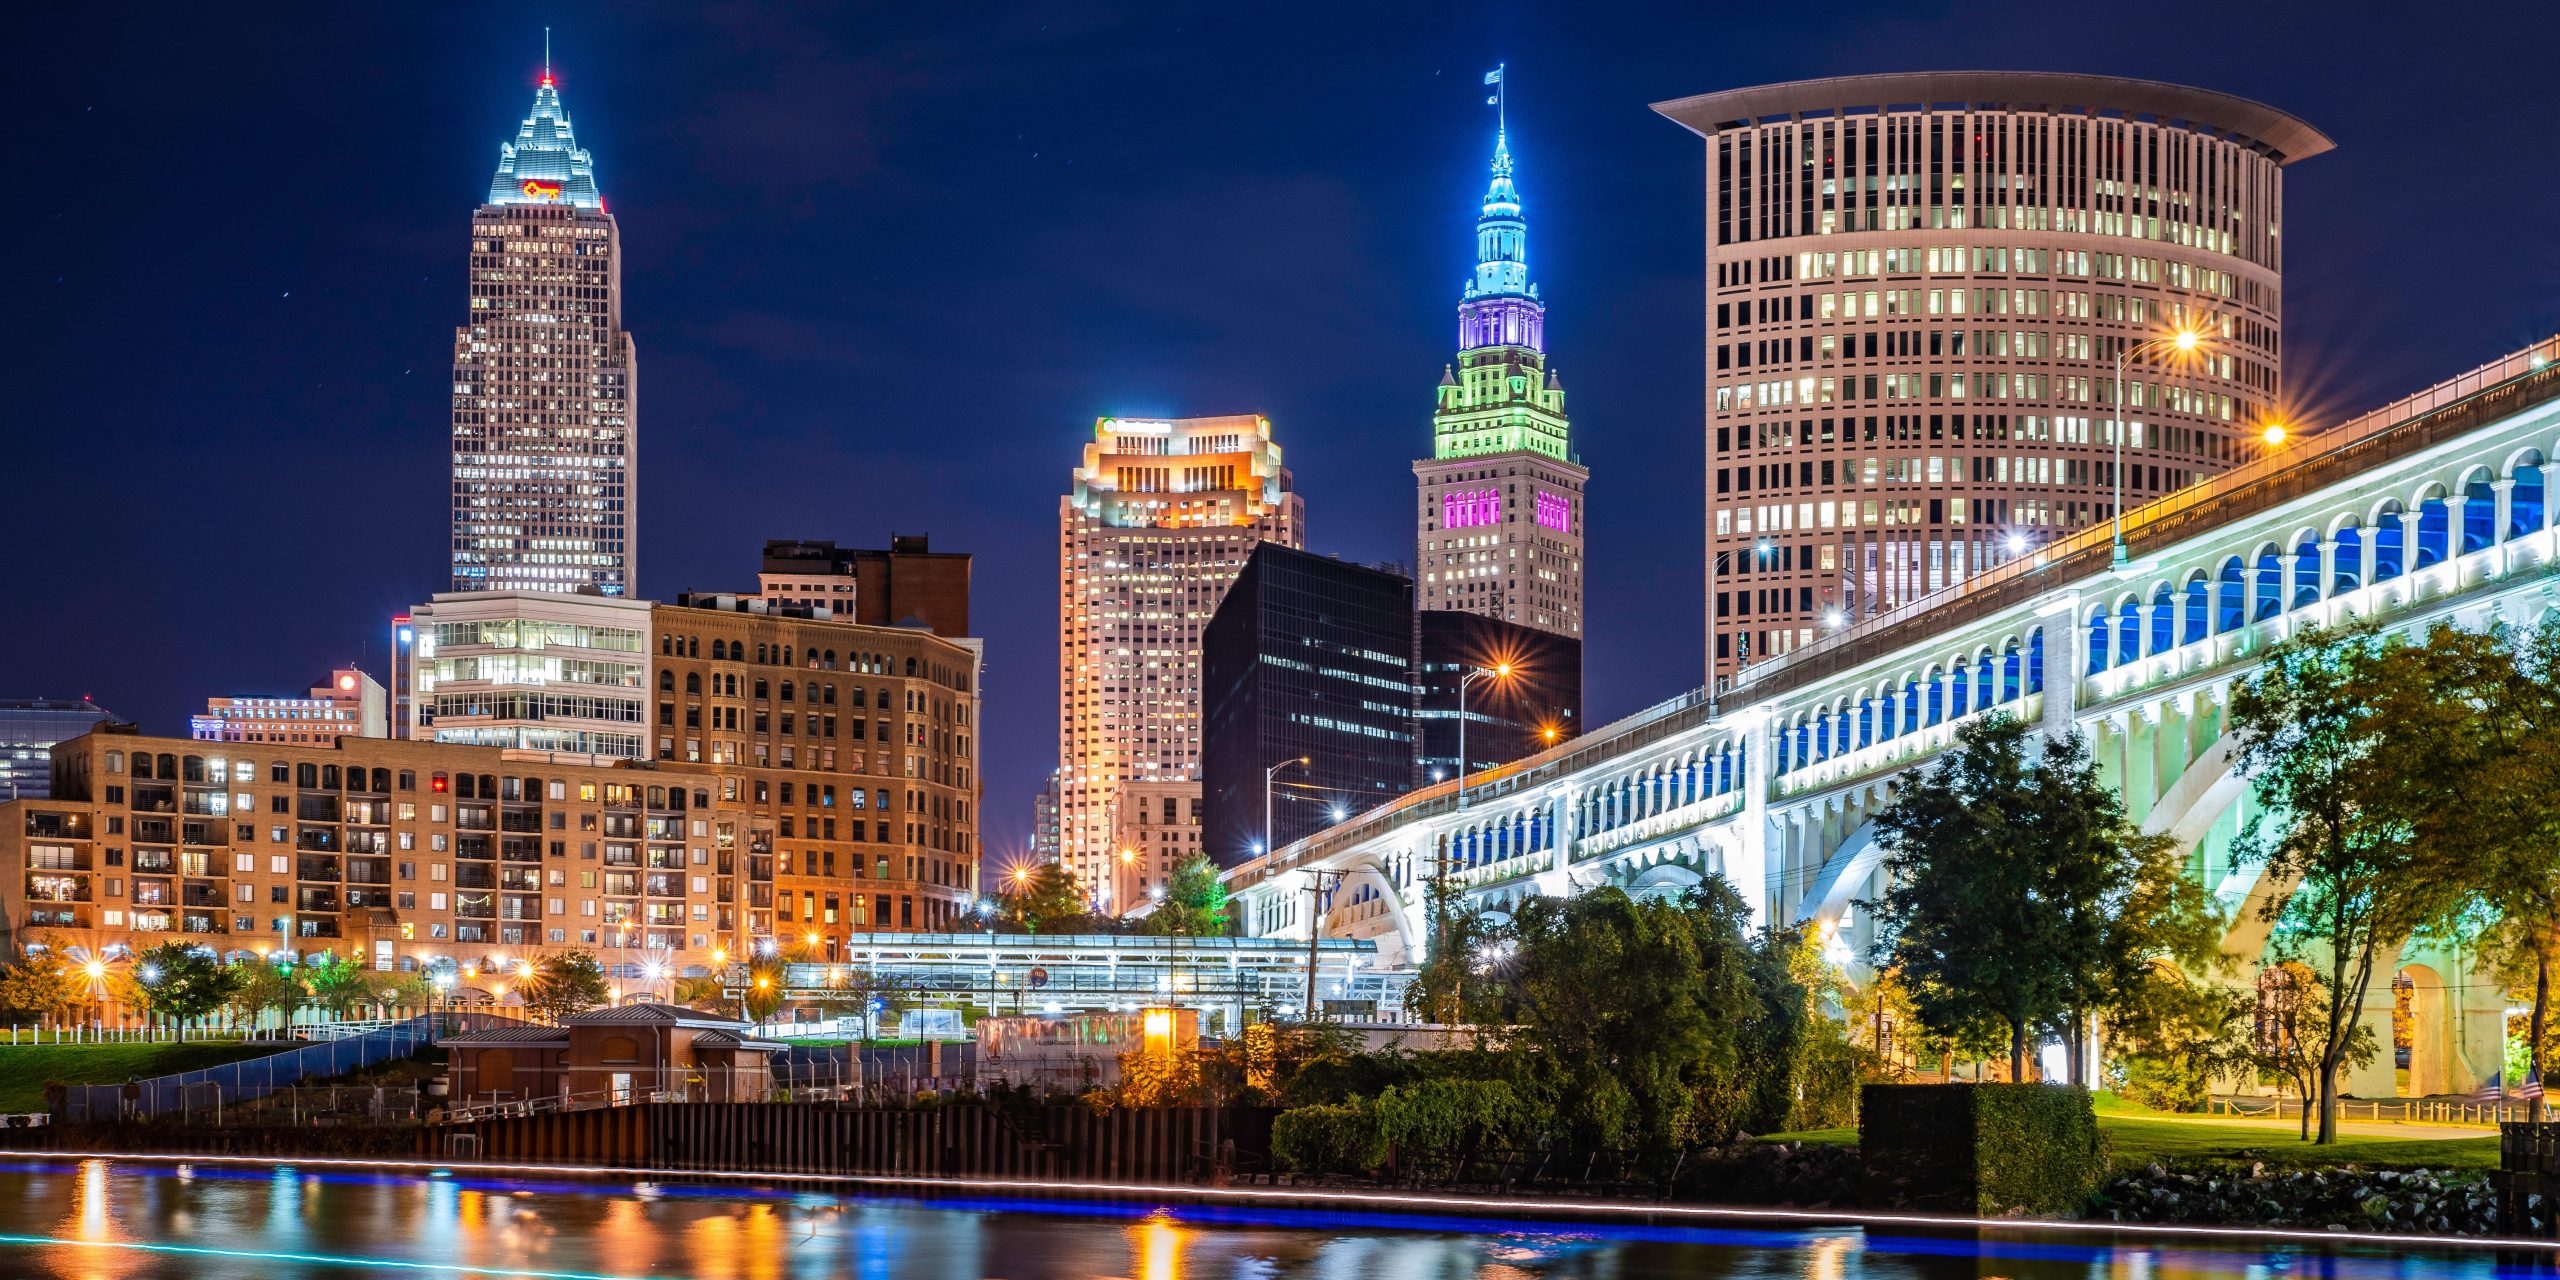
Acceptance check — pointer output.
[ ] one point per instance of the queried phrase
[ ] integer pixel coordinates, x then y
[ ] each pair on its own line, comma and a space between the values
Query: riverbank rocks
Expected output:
2446, 1202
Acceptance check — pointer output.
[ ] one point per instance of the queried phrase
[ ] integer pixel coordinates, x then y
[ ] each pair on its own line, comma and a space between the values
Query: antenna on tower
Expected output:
546, 55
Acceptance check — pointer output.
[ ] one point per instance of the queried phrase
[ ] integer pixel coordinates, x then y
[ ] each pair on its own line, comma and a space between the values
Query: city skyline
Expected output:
371, 521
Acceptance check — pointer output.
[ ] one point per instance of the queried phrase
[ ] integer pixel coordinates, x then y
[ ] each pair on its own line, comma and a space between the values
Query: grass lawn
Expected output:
2138, 1137
2137, 1141
24, 1069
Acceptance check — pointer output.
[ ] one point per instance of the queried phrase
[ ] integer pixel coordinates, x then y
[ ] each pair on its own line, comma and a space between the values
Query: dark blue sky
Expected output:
886, 265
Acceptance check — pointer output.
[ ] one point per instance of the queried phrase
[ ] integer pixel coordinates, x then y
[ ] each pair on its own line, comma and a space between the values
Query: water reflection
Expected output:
124, 1221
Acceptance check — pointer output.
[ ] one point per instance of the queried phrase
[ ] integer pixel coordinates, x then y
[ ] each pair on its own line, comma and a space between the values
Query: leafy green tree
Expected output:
865, 993
34, 987
1194, 904
1965, 919
2477, 723
2121, 899
262, 986
1046, 900
175, 980
708, 994
2289, 1033
2342, 788
563, 983
2174, 1036
760, 992
1628, 1021
336, 983
1462, 942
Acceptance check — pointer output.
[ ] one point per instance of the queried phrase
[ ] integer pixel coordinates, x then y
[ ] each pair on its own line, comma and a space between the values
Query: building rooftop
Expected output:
2285, 136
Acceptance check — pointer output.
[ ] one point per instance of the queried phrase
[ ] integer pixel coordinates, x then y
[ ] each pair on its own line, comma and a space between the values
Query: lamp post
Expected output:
1718, 563
1498, 671
2182, 340
1268, 775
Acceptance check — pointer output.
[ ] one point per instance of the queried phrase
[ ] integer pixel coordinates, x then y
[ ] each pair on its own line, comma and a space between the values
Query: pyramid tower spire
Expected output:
544, 163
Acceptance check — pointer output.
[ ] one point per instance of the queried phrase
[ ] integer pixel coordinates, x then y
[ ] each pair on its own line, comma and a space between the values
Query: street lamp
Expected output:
2272, 434
1498, 671
1267, 776
1720, 563
2184, 340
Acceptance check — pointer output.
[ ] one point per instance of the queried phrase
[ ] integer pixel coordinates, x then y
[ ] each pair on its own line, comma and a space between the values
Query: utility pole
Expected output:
1315, 928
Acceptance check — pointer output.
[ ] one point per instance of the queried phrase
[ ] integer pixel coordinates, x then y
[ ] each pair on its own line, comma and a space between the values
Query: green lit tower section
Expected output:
1498, 528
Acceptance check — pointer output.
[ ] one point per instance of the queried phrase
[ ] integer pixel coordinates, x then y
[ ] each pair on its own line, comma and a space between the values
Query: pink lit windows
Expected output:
1553, 513
1468, 508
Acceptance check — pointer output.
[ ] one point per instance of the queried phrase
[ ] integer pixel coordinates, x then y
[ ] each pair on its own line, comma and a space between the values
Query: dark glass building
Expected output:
28, 729
1536, 706
1307, 656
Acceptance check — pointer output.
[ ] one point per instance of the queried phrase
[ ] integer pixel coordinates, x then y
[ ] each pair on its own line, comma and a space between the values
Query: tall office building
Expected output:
1499, 524
545, 436
1920, 285
1309, 659
28, 729
1159, 521
1533, 704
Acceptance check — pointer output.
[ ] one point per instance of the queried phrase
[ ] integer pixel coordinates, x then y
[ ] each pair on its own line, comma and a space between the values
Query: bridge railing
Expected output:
2083, 555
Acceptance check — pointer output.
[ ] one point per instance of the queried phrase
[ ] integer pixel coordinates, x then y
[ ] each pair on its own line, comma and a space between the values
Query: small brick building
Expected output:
624, 1054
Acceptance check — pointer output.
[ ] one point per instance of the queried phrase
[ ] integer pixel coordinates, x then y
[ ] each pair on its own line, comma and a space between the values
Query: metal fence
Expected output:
253, 1078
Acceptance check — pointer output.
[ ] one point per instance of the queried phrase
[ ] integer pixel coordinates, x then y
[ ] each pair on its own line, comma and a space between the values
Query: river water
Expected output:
115, 1219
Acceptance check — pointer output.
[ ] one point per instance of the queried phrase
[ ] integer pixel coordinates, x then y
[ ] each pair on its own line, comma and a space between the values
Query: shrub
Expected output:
1330, 1138
2164, 1084
1980, 1148
1454, 1117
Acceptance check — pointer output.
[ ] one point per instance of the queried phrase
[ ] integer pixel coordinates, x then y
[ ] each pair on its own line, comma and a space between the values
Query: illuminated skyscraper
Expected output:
544, 439
1161, 518
1923, 289
1499, 528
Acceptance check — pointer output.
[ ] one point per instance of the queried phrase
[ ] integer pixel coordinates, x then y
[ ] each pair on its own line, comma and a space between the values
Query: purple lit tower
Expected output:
1498, 529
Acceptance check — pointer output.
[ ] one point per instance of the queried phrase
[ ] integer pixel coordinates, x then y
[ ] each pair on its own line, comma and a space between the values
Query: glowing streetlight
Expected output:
2017, 543
2183, 341
1267, 776
1835, 618
2272, 434
1500, 671
95, 969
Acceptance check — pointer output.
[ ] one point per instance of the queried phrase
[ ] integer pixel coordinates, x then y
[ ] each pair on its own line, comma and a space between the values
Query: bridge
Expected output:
2429, 510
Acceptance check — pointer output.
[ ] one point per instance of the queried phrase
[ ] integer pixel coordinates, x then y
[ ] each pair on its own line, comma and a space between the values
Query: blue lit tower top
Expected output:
1500, 397
1502, 307
545, 165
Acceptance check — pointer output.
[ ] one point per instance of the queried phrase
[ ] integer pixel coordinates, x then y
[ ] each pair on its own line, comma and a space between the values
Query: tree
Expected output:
35, 987
1964, 918
1628, 1020
863, 992
1461, 942
563, 983
2342, 788
2289, 1030
1045, 900
2480, 723
2175, 1036
2122, 899
177, 981
709, 994
262, 986
336, 983
1195, 901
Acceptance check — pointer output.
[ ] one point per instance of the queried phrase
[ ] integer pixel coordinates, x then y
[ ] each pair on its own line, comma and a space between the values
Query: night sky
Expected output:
885, 266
